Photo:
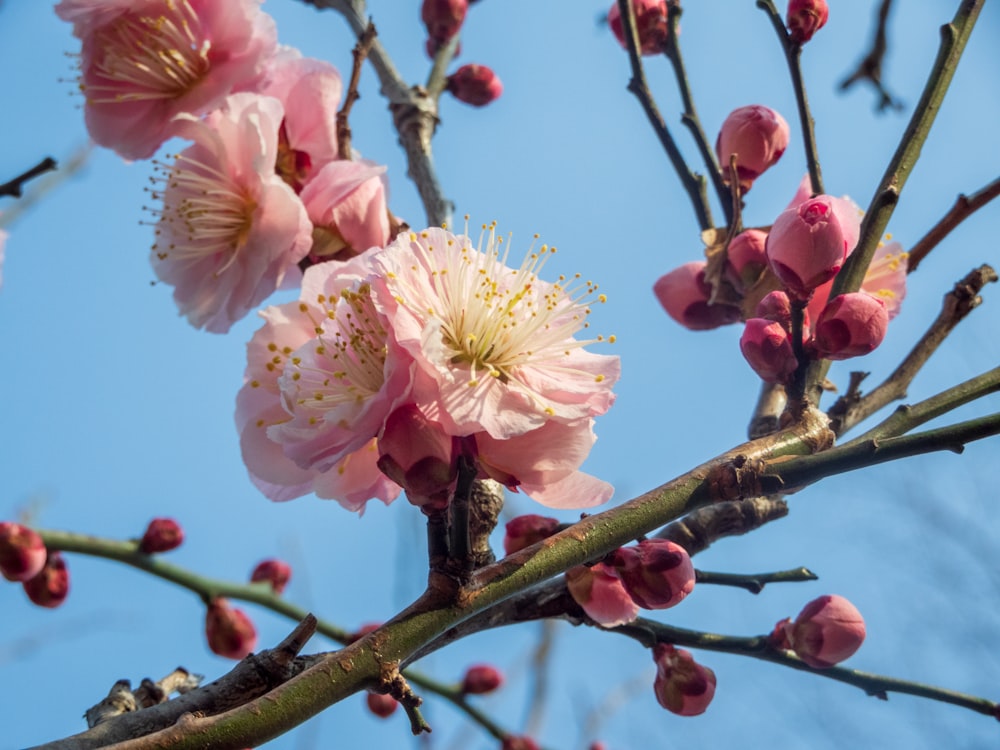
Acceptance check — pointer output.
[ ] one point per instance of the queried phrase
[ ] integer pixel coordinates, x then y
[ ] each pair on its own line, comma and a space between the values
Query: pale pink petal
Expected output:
347, 200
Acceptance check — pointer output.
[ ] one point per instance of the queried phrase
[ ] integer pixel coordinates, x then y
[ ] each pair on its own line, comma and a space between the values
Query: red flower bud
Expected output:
475, 84
656, 573
807, 245
682, 686
481, 679
22, 552
600, 593
827, 631
757, 135
275, 572
443, 18
162, 535
805, 18
746, 259
381, 705
526, 530
510, 742
229, 631
50, 586
651, 22
767, 347
419, 456
684, 294
851, 325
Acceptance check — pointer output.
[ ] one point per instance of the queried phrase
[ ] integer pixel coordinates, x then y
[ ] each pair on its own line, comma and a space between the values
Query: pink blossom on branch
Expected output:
656, 573
230, 633
827, 631
682, 685
651, 20
767, 347
600, 593
807, 245
144, 62
757, 136
161, 535
50, 586
230, 230
851, 325
22, 552
805, 18
684, 294
475, 84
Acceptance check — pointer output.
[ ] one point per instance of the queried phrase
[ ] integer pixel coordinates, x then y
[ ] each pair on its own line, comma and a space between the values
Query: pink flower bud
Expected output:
851, 325
682, 686
656, 573
162, 535
22, 552
481, 679
418, 455
757, 135
382, 706
229, 631
526, 530
275, 572
684, 294
475, 84
807, 246
827, 631
805, 18
767, 347
746, 259
651, 22
777, 307
600, 594
510, 742
50, 586
443, 18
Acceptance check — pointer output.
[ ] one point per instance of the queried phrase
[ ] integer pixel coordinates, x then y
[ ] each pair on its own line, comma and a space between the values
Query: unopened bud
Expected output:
229, 631
481, 679
418, 455
746, 259
805, 18
682, 685
22, 552
827, 631
50, 587
381, 705
767, 347
656, 573
510, 742
757, 135
523, 531
600, 593
275, 572
443, 18
162, 535
851, 325
651, 21
475, 84
807, 246
684, 294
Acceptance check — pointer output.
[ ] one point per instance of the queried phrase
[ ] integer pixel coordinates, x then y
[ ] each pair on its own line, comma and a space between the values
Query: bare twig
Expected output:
870, 67
963, 208
15, 188
755, 582
359, 54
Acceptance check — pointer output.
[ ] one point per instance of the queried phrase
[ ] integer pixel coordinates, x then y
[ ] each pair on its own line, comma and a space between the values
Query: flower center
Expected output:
150, 57
205, 213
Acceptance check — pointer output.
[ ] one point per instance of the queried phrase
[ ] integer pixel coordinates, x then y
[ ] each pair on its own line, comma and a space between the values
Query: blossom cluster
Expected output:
399, 364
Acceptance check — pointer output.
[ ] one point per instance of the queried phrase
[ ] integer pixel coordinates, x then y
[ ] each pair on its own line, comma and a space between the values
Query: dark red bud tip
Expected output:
475, 84
382, 706
275, 572
51, 586
162, 535
22, 552
481, 679
229, 631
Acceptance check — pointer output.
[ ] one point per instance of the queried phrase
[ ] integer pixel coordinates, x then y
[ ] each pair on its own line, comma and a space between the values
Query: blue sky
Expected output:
117, 411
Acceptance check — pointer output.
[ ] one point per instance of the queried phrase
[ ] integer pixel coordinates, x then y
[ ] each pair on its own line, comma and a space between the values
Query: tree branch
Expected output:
15, 188
963, 208
870, 67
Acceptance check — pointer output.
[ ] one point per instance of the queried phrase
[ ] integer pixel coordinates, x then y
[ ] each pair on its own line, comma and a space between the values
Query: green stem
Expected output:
755, 583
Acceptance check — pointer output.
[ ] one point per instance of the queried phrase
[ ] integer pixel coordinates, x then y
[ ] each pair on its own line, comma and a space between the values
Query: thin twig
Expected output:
870, 67
754, 583
963, 208
15, 188
358, 54
694, 185
793, 52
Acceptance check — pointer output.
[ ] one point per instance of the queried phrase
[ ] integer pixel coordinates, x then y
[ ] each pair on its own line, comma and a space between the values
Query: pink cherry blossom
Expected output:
352, 480
230, 229
346, 202
143, 62
309, 91
656, 573
599, 591
495, 343
851, 325
757, 136
767, 347
827, 631
807, 245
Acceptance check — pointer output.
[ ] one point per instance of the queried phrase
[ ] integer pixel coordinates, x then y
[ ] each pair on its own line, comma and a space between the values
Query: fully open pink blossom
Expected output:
601, 594
346, 202
309, 91
230, 229
495, 343
143, 62
352, 480
682, 685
